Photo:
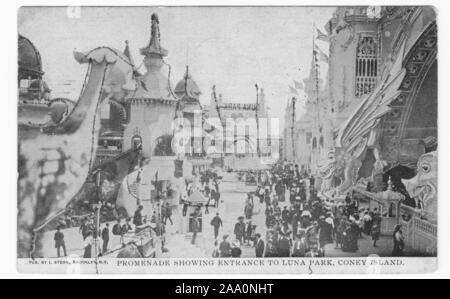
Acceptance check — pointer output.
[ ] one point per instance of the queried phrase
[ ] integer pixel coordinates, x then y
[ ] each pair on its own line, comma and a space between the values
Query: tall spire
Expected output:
187, 75
154, 47
153, 84
127, 53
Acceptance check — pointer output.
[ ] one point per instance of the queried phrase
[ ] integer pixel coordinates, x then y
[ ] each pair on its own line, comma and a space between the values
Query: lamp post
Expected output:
258, 150
97, 207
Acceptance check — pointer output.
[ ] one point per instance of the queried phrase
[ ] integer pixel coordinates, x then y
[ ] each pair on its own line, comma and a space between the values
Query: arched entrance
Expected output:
136, 142
244, 146
413, 118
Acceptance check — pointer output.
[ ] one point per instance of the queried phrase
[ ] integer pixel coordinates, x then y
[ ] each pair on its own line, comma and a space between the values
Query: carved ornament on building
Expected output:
344, 34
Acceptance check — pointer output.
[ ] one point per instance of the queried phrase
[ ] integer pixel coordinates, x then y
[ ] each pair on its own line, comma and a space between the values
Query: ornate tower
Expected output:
154, 52
152, 104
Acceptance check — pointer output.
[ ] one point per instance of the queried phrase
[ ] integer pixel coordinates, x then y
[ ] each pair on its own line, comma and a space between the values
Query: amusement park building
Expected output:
239, 121
375, 124
144, 117
32, 87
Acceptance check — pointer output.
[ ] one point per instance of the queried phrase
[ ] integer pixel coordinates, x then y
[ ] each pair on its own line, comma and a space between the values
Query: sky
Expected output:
230, 47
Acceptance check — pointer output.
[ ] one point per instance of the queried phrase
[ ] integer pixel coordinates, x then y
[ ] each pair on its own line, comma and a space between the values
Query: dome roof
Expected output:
187, 86
30, 63
39, 85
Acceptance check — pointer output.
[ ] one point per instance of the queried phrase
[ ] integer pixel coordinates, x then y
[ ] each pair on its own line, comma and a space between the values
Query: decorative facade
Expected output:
241, 123
152, 104
386, 130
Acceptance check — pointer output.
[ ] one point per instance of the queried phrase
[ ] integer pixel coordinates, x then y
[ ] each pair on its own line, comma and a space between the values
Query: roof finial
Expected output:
389, 184
155, 18
154, 46
186, 77
155, 35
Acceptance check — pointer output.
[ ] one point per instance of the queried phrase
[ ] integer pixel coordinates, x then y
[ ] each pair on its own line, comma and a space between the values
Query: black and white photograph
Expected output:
250, 139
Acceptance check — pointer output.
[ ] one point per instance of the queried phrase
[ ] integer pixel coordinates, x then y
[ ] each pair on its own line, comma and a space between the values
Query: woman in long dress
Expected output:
351, 235
248, 210
88, 245
376, 229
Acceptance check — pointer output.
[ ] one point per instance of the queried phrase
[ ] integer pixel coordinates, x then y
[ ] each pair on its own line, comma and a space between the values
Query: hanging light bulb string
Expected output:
168, 79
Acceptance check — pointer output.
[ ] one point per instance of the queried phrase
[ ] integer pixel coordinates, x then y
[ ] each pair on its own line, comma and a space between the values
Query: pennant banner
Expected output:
298, 85
319, 55
323, 57
293, 90
322, 36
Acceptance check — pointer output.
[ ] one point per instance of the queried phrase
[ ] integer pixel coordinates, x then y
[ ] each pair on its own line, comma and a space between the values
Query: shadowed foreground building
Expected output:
377, 121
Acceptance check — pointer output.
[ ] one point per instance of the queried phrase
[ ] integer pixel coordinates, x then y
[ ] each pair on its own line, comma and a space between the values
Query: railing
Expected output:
420, 235
425, 227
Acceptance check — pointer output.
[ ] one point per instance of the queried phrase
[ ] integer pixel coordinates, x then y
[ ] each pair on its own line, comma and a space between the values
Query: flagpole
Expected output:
257, 121
316, 74
292, 129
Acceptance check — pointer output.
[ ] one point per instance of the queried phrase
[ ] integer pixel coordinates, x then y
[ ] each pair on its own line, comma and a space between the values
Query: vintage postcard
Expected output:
235, 140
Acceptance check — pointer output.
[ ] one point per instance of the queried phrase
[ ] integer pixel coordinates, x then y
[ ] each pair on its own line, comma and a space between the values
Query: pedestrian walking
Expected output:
117, 230
105, 238
216, 222
88, 242
225, 247
239, 229
84, 228
259, 246
59, 242
195, 228
399, 242
168, 214
299, 247
137, 218
248, 210
376, 229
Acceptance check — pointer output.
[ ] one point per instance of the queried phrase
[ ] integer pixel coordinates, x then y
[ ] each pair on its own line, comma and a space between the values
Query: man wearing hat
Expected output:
105, 238
216, 222
59, 241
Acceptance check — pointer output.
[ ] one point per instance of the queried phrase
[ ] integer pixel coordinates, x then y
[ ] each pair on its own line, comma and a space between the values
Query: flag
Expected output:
315, 52
323, 57
319, 55
322, 36
298, 85
293, 90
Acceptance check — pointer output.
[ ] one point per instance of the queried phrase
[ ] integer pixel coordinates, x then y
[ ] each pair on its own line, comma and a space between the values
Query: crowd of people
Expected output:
299, 223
